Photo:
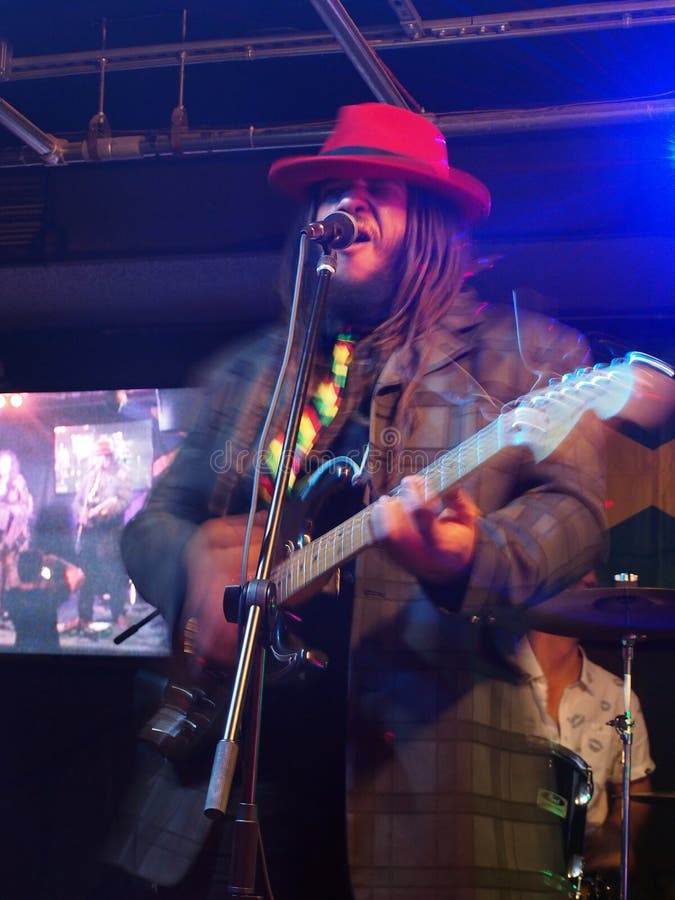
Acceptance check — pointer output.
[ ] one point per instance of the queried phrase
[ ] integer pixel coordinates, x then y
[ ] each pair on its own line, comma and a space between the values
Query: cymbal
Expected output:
606, 613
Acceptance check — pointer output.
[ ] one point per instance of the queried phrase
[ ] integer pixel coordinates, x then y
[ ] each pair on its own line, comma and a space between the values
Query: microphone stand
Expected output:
623, 726
257, 605
628, 645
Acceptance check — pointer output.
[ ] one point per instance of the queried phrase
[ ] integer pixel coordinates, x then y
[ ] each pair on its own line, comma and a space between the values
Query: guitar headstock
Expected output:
638, 387
652, 399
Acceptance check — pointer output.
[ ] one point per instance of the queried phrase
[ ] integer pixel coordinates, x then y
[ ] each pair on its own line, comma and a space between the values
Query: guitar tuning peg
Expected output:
636, 356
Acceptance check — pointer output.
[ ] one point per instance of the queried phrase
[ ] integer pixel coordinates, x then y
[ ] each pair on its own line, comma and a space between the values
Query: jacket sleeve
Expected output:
543, 524
154, 540
205, 479
550, 534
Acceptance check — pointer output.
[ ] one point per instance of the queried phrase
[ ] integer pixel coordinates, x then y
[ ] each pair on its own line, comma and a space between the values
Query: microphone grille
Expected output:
345, 228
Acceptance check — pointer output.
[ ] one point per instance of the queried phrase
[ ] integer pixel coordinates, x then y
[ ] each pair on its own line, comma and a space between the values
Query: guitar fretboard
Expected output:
315, 560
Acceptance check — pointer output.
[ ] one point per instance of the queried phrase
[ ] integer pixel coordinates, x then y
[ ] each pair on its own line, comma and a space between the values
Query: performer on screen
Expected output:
16, 512
100, 502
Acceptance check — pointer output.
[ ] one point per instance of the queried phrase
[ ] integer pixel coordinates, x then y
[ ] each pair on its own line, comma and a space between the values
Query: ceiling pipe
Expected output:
548, 118
603, 16
312, 135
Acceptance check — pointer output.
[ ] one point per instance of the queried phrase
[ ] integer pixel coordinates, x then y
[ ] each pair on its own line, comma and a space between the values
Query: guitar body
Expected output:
196, 697
303, 730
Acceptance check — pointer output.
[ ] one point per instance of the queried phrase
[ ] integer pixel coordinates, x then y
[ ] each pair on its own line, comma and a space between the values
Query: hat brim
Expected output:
296, 176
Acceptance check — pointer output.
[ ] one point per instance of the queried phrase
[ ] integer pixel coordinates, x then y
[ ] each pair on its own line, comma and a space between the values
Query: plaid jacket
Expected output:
427, 700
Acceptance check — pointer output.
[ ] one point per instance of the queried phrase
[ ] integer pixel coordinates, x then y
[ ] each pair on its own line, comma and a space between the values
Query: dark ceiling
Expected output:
132, 264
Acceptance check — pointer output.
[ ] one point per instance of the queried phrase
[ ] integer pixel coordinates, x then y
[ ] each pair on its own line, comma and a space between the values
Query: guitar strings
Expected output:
315, 559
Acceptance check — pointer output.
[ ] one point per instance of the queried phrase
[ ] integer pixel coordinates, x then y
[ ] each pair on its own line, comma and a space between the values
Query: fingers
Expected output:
459, 507
213, 560
383, 516
394, 515
215, 638
397, 517
433, 539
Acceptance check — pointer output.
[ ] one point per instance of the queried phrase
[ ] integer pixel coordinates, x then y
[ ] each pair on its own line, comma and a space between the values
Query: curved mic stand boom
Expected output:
256, 605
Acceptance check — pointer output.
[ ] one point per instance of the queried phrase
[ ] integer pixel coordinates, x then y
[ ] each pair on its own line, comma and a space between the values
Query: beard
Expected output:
359, 308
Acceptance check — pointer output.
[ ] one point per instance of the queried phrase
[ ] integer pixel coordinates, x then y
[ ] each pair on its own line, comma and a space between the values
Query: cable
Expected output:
302, 253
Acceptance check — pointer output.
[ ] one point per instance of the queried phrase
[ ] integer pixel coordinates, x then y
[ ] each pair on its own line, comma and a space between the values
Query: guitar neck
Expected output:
317, 559
548, 415
539, 420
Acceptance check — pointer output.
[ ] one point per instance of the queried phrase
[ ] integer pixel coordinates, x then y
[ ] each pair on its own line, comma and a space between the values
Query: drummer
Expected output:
577, 699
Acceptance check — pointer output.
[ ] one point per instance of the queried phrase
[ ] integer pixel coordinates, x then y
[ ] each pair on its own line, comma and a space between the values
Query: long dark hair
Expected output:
432, 266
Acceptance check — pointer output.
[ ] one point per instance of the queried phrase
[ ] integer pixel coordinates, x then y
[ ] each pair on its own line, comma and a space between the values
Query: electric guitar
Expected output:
540, 420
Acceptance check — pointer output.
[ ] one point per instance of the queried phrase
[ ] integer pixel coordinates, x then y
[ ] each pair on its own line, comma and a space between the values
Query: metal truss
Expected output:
412, 31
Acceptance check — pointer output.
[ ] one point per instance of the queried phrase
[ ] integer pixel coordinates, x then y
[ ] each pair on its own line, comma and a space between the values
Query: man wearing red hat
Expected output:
100, 502
441, 788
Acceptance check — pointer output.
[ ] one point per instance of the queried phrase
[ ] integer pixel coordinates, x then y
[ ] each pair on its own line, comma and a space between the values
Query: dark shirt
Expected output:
33, 610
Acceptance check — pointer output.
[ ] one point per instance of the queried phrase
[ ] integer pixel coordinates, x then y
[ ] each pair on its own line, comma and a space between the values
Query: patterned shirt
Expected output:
586, 707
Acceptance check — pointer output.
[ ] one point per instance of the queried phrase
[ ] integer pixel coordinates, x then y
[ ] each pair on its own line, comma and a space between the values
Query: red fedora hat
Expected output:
375, 140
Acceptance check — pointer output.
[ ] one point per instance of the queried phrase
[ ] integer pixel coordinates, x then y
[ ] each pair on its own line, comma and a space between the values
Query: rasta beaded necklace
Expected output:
318, 412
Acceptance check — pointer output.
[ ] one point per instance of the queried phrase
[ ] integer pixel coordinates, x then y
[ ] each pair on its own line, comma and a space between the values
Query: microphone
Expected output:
337, 231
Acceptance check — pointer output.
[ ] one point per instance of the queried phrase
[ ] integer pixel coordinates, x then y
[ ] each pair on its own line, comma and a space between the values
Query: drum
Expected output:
546, 818
569, 799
